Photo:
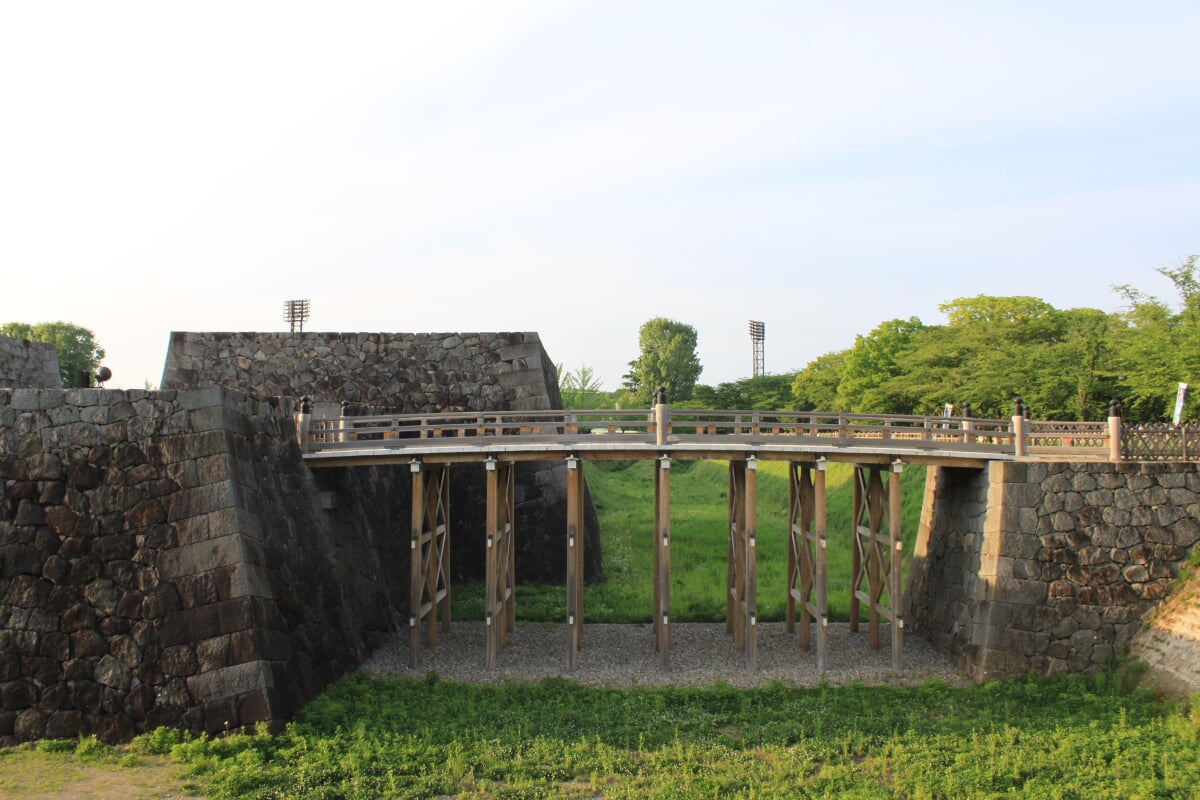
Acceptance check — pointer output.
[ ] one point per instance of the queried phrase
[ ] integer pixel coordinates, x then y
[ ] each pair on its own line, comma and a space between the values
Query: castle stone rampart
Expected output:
415, 373
165, 560
28, 365
402, 372
1048, 567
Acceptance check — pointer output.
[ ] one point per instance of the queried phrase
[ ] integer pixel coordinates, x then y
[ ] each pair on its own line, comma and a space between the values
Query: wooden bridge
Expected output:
878, 446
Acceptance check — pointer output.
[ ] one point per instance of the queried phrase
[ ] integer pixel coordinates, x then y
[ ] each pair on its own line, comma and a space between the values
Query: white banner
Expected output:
1180, 397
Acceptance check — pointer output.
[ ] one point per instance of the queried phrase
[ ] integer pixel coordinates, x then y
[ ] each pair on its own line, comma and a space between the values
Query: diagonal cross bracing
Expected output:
741, 609
875, 568
500, 567
807, 587
429, 582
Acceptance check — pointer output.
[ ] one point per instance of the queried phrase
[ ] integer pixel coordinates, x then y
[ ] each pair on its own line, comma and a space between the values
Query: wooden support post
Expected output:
736, 569
807, 552
877, 570
819, 541
415, 579
499, 575
1018, 428
794, 558
895, 575
429, 550
750, 516
1114, 430
856, 565
741, 608
575, 537
731, 555
662, 561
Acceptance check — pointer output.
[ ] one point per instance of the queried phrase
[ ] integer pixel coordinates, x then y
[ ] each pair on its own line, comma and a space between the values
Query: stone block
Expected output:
111, 672
258, 644
193, 399
1016, 590
227, 616
209, 555
244, 580
201, 500
229, 682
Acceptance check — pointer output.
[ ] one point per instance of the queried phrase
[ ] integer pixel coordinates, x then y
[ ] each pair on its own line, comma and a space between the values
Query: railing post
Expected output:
1114, 429
1018, 427
343, 423
661, 416
304, 423
967, 425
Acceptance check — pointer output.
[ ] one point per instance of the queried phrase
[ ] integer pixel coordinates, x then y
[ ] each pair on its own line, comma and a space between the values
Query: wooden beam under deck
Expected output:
474, 455
876, 554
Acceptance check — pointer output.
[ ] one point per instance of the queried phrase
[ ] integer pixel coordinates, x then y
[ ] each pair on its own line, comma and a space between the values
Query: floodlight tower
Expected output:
758, 333
295, 312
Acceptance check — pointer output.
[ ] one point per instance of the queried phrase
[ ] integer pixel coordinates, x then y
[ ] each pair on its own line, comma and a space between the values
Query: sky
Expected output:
578, 168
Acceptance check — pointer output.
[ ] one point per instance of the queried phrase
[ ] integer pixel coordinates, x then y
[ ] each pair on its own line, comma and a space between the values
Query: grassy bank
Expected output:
623, 493
1062, 738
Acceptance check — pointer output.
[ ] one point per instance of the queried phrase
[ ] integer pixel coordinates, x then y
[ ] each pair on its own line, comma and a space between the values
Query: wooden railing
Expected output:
640, 426
1068, 438
1161, 441
332, 432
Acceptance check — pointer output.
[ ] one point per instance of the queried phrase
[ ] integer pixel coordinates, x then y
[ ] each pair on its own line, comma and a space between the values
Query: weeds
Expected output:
1061, 737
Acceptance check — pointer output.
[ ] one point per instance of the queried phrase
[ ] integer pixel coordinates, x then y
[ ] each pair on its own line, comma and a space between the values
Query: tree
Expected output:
815, 387
868, 369
760, 393
580, 388
668, 358
76, 346
1157, 348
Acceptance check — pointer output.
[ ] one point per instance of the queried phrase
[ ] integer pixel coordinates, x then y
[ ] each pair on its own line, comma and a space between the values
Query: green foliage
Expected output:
815, 388
408, 739
580, 388
763, 393
869, 366
1158, 347
76, 346
158, 742
667, 357
623, 494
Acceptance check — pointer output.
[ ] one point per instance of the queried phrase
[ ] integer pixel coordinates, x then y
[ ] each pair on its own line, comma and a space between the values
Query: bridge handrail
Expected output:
1066, 435
350, 431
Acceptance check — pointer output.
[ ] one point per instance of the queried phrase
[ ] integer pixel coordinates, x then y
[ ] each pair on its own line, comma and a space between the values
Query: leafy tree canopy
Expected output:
667, 358
580, 388
761, 393
76, 346
1159, 347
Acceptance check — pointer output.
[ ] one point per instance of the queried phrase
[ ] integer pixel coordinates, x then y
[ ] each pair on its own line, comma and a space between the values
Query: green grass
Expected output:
623, 493
1038, 738
363, 738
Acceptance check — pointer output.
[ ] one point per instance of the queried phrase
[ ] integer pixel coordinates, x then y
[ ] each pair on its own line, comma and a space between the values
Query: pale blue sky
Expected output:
578, 168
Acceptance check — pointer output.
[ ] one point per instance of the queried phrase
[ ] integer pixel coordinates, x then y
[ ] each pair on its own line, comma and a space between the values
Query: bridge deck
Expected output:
335, 440
878, 446
450, 451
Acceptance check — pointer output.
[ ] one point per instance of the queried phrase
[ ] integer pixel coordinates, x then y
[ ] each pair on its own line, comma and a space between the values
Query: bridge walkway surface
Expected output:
878, 446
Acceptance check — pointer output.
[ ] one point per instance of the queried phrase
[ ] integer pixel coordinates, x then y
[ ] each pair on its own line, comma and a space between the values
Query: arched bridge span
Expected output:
878, 446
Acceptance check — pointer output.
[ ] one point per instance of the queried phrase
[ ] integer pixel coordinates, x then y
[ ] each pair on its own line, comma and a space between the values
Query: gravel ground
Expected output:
702, 654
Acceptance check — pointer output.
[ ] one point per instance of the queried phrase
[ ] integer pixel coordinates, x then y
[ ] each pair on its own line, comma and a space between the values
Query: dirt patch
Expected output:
28, 775
1170, 644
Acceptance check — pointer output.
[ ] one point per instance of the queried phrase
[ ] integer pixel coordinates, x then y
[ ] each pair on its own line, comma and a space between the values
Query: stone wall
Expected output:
416, 373
402, 372
28, 365
165, 560
1048, 567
